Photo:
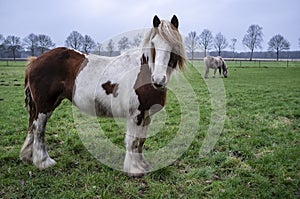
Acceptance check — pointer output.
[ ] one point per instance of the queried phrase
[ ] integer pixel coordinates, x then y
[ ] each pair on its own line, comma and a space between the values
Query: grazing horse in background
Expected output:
132, 85
215, 63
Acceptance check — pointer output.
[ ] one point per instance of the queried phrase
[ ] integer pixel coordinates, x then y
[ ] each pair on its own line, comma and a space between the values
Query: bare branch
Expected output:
206, 40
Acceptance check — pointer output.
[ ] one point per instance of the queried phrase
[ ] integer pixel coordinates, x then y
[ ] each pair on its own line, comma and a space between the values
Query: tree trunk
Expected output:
14, 54
251, 55
192, 55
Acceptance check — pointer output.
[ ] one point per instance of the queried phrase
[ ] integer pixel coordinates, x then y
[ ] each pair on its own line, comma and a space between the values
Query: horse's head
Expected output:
164, 47
223, 66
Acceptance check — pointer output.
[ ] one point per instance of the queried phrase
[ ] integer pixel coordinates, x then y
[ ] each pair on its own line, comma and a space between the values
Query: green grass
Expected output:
256, 156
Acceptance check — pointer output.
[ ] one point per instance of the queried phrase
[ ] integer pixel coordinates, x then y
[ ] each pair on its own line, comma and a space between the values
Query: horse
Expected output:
127, 86
215, 63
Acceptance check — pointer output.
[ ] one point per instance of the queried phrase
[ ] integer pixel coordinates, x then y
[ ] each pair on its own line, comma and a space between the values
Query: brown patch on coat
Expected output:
110, 88
147, 94
50, 78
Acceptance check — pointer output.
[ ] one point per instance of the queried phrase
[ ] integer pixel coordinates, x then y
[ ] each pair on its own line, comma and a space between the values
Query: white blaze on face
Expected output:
161, 60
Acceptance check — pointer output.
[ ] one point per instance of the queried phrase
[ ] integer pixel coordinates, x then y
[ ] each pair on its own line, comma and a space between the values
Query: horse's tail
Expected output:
29, 103
30, 61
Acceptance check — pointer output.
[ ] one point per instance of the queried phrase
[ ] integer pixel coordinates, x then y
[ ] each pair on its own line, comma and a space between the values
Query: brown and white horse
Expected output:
125, 86
215, 63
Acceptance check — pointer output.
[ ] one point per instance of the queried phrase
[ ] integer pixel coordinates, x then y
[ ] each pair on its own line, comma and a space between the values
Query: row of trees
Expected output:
32, 42
123, 44
38, 44
252, 40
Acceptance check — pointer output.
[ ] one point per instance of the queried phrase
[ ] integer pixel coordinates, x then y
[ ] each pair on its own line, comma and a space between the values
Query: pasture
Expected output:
256, 156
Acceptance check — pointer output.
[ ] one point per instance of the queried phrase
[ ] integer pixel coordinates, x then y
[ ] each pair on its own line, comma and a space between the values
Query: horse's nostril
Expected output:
158, 85
152, 79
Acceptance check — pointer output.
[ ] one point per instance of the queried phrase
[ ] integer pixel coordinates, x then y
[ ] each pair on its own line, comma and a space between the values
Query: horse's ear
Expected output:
174, 21
156, 21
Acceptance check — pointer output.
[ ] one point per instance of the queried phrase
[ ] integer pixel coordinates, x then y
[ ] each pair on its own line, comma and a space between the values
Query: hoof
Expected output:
135, 175
26, 159
48, 162
146, 165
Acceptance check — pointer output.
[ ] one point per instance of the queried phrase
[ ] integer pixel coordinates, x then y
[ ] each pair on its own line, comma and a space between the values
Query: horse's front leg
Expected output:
135, 163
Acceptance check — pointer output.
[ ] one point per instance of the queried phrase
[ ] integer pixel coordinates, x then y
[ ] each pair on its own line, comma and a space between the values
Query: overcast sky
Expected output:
103, 19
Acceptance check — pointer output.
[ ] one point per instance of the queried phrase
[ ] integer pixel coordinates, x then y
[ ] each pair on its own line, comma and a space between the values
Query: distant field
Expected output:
256, 156
263, 64
12, 63
237, 63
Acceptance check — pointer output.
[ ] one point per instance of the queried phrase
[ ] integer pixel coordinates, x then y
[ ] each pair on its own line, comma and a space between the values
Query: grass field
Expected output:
256, 156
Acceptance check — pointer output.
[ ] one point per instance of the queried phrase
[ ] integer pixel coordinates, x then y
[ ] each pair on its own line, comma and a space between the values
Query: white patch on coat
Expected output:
85, 55
162, 57
89, 95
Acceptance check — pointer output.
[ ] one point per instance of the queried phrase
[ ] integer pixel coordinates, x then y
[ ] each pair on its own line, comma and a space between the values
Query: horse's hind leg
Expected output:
26, 151
34, 148
206, 72
40, 156
215, 72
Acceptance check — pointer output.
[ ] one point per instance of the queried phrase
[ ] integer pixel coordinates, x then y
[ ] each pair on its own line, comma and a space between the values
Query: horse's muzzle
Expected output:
159, 82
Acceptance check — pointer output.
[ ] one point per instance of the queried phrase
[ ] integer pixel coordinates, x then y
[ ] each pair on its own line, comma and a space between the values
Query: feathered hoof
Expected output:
48, 162
137, 174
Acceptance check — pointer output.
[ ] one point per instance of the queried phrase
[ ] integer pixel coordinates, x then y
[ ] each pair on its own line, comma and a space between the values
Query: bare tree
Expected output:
206, 40
253, 38
191, 43
74, 40
99, 48
137, 40
278, 43
232, 45
220, 43
88, 44
31, 43
110, 47
123, 43
13, 43
1, 45
44, 43
1, 40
